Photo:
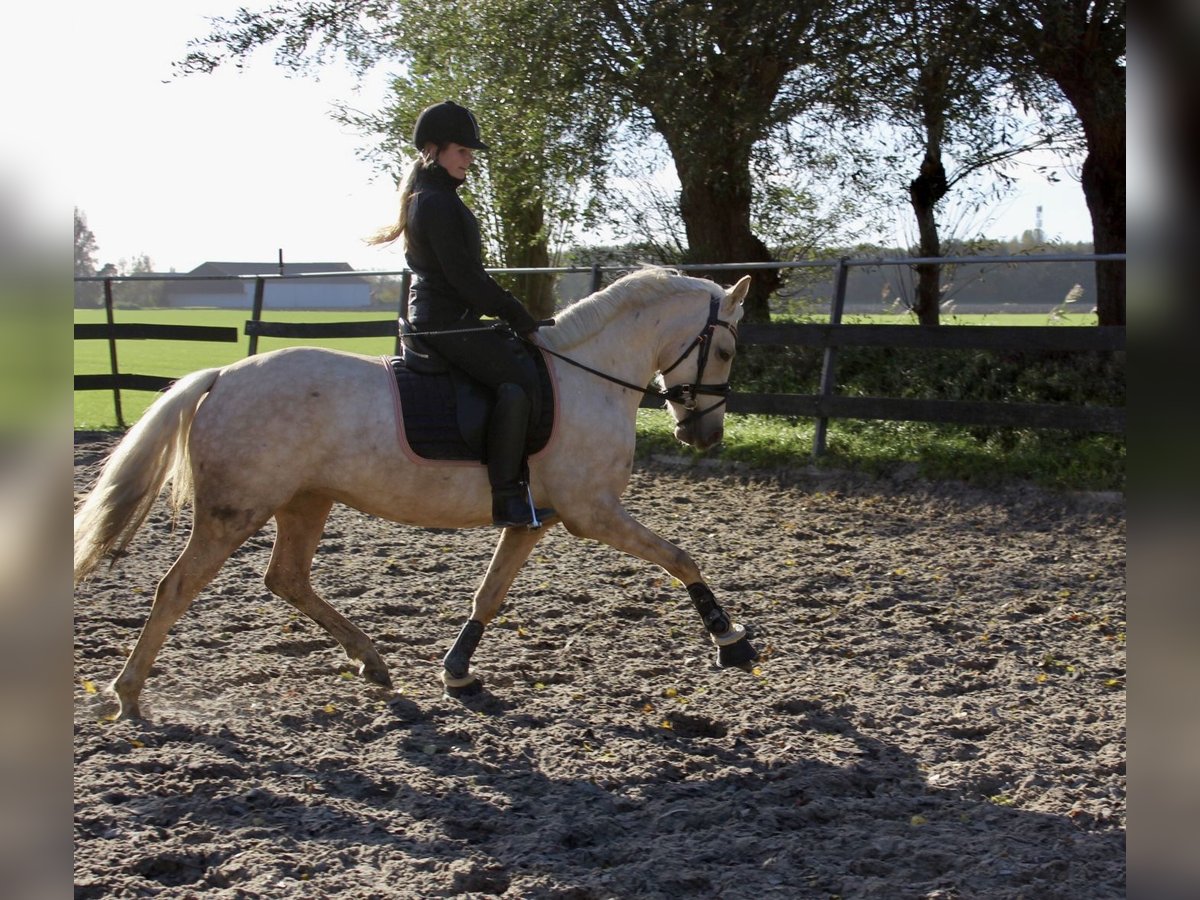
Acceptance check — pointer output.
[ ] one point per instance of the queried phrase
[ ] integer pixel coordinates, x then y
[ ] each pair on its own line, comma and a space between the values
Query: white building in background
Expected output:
340, 292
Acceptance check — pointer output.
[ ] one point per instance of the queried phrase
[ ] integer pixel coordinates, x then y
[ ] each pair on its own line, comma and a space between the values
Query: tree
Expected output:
140, 294
718, 81
946, 104
87, 293
509, 60
1079, 46
545, 122
85, 246
714, 80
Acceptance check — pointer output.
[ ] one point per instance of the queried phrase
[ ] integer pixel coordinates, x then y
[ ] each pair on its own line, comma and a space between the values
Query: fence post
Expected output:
829, 365
256, 314
595, 286
112, 352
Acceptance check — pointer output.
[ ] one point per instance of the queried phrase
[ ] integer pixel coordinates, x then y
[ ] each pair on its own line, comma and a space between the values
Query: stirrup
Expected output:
512, 510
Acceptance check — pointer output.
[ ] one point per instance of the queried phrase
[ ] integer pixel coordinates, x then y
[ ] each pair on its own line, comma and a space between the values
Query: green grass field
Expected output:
94, 409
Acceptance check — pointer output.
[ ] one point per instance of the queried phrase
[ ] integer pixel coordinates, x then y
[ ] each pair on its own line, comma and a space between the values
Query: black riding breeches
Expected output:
491, 356
499, 360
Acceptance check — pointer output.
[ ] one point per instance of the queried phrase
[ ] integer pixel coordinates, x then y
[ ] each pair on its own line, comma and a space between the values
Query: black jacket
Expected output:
445, 252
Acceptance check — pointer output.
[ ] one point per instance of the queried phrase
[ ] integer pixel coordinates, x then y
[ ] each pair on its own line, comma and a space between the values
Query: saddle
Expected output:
445, 411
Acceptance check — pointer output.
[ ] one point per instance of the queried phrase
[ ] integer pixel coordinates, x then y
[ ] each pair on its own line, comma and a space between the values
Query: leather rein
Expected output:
685, 393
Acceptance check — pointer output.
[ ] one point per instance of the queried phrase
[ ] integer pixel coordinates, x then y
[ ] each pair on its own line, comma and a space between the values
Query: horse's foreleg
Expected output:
615, 527
300, 525
511, 553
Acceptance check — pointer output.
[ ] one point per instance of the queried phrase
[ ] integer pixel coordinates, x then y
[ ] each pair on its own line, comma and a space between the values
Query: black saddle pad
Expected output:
445, 415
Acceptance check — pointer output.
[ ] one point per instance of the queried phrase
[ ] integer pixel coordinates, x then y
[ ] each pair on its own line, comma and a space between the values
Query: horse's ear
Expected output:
735, 295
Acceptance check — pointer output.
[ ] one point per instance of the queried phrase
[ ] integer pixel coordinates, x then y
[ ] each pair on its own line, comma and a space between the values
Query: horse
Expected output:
287, 434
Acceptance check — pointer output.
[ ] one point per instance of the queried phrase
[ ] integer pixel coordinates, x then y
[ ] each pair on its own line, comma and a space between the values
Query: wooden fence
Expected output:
823, 406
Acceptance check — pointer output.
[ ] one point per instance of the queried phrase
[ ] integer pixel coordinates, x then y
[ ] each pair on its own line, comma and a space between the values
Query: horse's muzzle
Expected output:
699, 437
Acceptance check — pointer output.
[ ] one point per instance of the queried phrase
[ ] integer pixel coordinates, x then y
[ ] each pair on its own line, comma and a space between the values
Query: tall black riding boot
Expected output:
512, 503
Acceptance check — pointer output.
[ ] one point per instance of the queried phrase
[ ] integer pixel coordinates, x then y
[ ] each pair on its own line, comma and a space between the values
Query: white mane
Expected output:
637, 289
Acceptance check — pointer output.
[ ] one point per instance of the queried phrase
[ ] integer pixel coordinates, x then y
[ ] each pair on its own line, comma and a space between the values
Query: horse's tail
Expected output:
153, 451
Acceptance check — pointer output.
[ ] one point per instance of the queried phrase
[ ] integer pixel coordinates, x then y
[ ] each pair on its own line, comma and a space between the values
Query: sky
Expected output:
236, 166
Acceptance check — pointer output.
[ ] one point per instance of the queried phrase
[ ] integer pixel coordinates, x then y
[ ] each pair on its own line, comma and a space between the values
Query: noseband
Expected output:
684, 393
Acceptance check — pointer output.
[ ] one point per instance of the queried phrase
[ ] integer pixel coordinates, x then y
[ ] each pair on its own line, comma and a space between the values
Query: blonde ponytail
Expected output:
393, 232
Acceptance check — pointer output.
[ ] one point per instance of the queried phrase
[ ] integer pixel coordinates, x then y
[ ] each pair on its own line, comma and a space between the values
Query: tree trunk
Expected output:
535, 291
532, 251
924, 192
1103, 180
717, 221
1075, 46
710, 75
714, 202
1099, 103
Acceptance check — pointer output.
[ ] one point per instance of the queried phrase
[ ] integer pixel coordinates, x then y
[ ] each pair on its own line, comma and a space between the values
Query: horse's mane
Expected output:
641, 287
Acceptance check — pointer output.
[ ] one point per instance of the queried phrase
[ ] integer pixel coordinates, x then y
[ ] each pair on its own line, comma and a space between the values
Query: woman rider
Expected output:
451, 292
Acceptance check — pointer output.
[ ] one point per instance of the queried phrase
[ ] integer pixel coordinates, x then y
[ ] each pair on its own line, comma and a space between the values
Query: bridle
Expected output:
686, 394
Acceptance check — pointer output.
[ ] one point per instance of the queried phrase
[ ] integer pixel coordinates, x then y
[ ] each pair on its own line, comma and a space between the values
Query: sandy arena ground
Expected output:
939, 711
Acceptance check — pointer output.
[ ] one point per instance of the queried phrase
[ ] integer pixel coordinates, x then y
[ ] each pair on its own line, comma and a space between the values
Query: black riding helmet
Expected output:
445, 123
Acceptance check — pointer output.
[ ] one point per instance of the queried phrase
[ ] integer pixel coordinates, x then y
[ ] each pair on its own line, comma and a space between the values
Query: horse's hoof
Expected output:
374, 671
128, 713
738, 655
460, 688
128, 707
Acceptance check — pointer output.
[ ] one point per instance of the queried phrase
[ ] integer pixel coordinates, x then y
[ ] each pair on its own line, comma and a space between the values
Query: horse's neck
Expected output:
629, 346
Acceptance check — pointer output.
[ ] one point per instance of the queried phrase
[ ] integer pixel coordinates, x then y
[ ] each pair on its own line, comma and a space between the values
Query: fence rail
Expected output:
823, 406
375, 328
129, 331
1050, 338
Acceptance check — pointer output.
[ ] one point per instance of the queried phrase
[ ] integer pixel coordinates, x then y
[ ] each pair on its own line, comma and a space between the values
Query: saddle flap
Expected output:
444, 416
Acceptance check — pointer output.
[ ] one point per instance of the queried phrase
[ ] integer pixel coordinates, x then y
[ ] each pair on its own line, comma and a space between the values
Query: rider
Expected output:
451, 292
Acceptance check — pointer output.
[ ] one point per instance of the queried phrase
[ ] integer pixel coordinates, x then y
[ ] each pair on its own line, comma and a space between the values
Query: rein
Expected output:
683, 393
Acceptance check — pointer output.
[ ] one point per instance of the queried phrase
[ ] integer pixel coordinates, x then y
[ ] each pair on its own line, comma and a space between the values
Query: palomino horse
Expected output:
289, 433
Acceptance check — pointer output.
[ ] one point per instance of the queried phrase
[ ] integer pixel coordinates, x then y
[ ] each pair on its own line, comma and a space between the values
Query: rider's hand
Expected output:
529, 330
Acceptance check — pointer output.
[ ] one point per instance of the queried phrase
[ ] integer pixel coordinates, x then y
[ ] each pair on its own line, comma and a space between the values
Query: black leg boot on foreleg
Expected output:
512, 502
457, 678
733, 647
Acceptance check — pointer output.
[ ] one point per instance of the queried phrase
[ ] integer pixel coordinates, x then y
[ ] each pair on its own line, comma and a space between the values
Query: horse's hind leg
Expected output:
300, 524
209, 545
511, 552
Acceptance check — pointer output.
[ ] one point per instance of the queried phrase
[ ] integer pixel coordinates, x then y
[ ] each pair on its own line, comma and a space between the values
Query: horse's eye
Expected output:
724, 355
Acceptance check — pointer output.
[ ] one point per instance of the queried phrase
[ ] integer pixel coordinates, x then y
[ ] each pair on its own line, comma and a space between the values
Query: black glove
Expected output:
524, 329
